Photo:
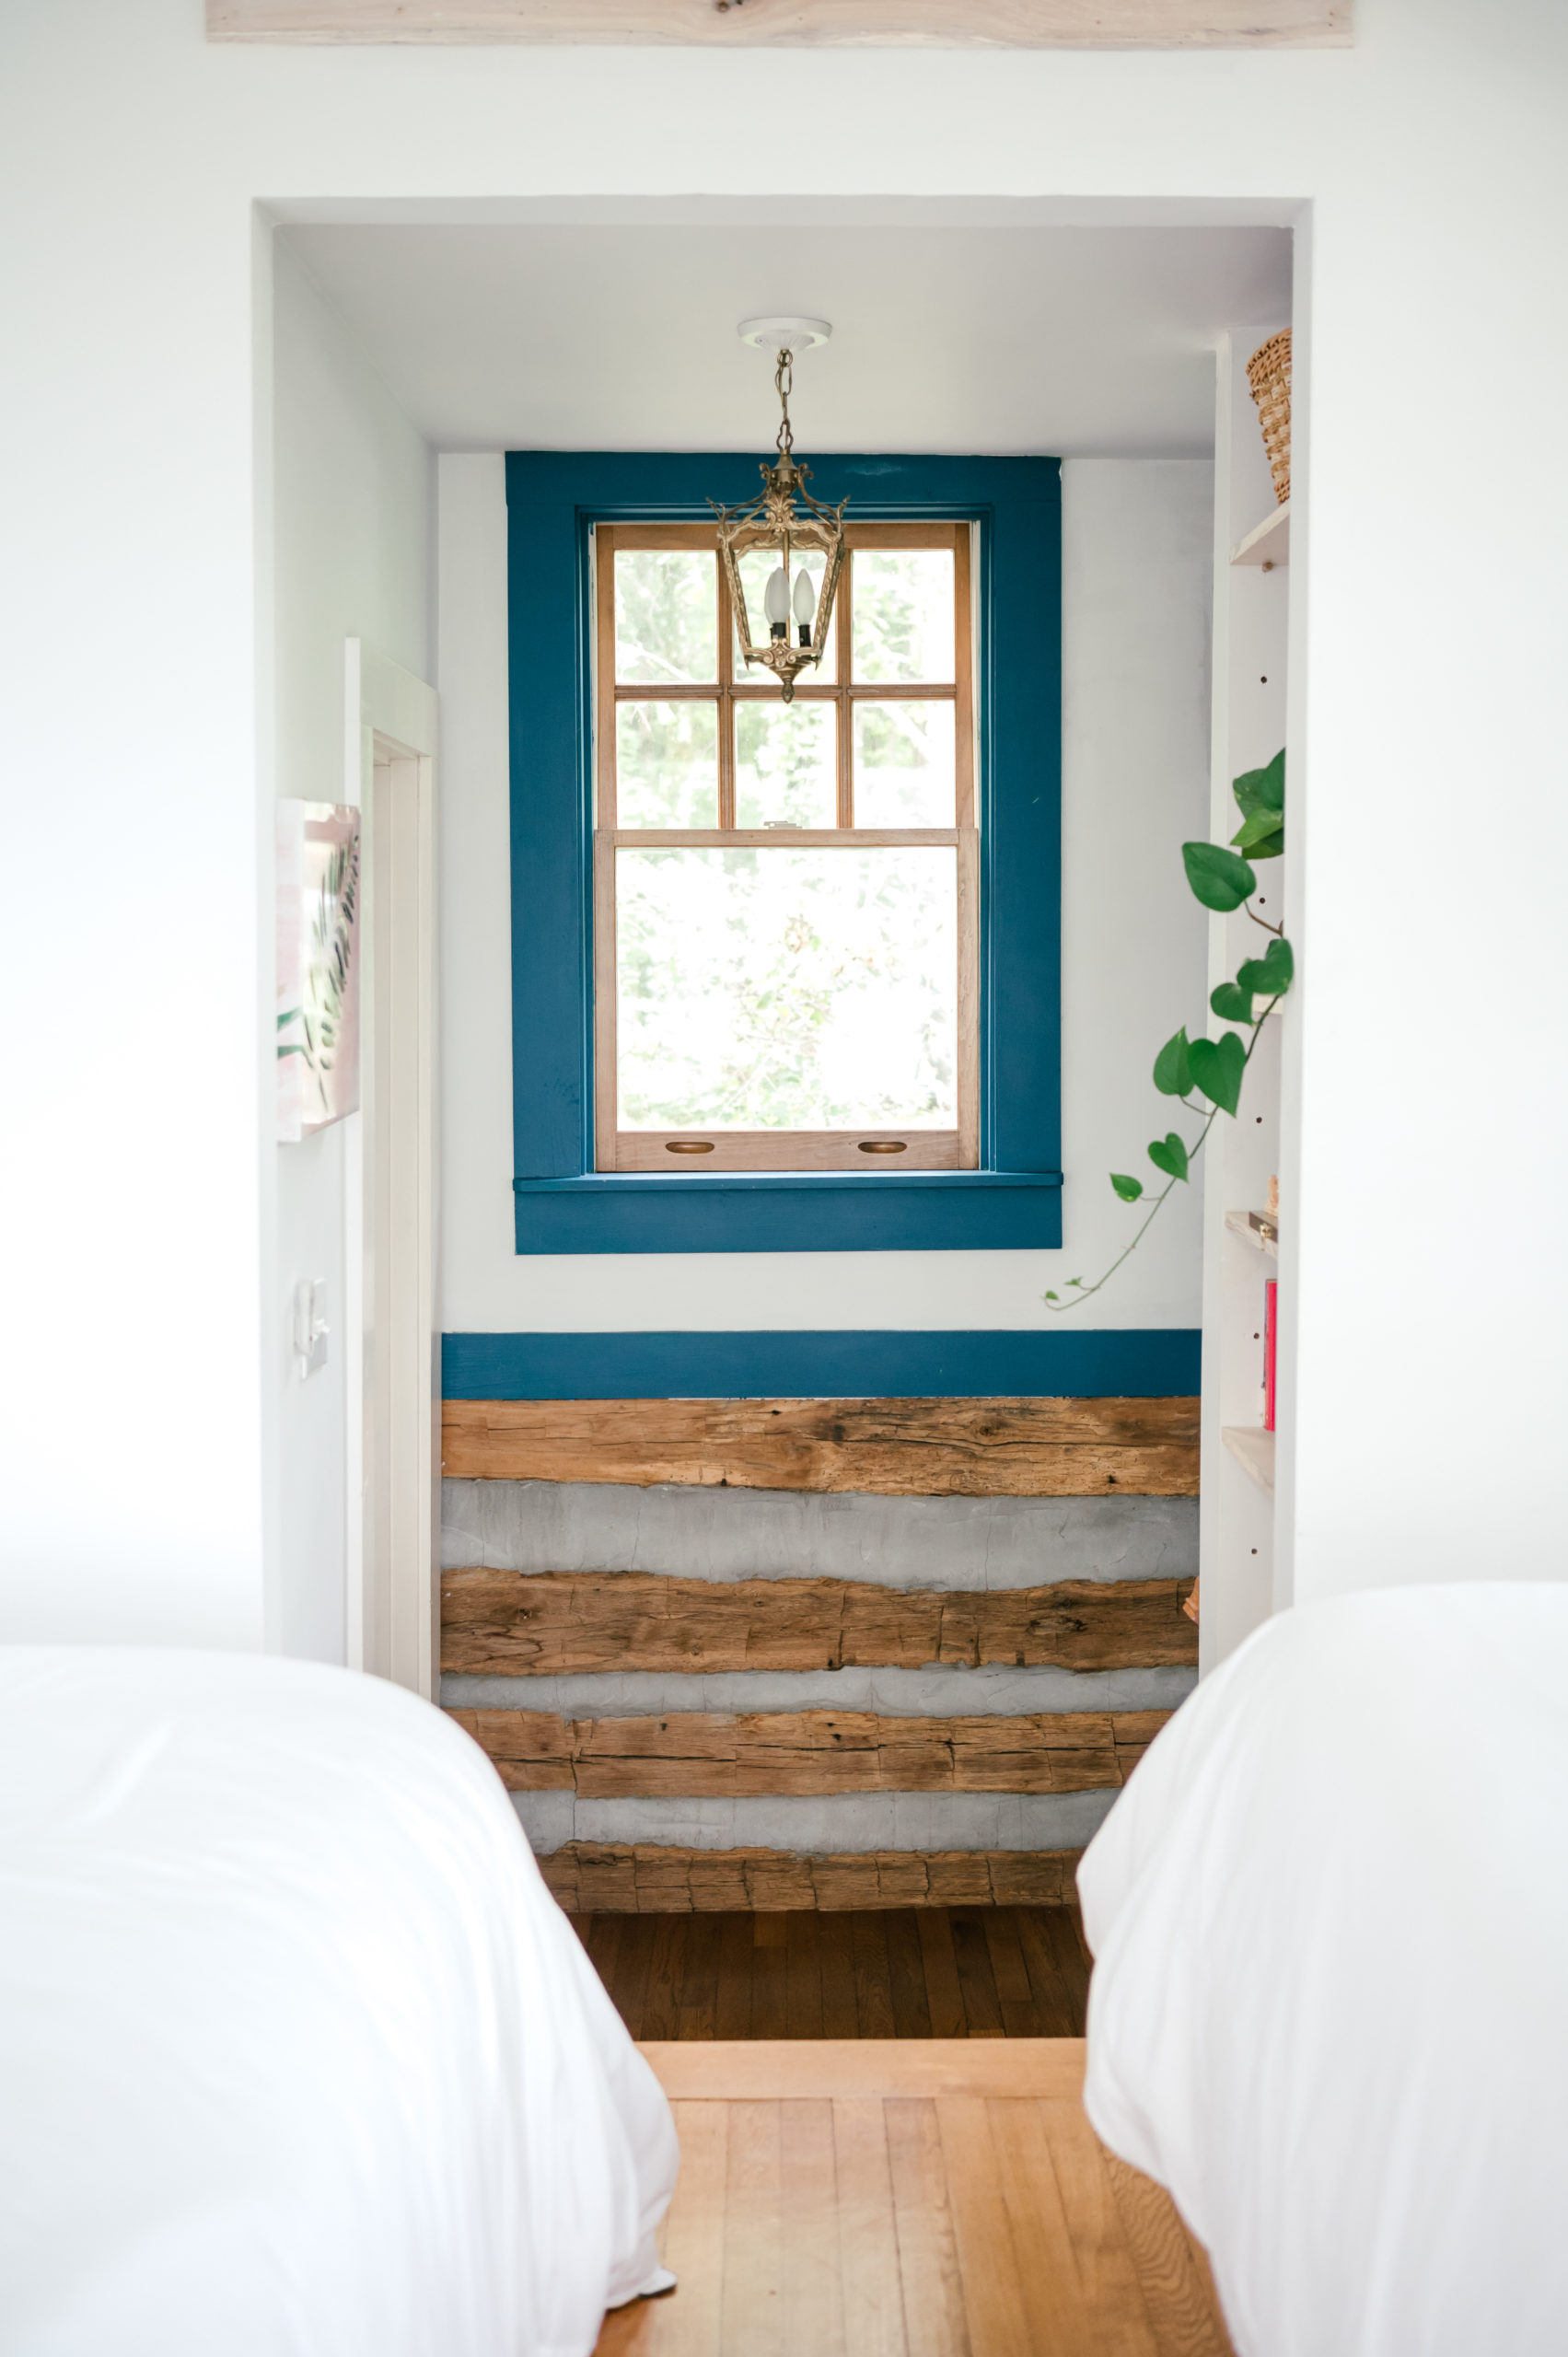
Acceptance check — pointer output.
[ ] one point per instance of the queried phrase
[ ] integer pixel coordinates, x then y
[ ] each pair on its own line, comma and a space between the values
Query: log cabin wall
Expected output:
816, 1653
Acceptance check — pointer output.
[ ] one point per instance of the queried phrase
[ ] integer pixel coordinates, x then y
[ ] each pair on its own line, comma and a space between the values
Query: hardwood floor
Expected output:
908, 2199
927, 1973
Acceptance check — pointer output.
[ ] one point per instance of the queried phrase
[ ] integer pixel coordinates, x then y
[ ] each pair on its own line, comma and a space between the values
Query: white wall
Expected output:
353, 557
1431, 1383
1137, 559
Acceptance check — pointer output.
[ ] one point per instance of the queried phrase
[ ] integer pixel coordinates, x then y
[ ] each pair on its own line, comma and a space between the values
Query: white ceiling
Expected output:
1074, 342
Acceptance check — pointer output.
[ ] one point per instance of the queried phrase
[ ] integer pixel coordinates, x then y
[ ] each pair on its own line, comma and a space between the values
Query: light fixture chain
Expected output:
783, 384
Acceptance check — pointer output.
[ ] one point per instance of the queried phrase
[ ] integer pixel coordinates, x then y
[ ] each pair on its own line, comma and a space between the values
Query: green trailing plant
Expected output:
1222, 876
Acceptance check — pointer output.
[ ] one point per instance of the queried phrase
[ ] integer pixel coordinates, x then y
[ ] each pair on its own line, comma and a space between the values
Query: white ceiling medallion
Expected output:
774, 334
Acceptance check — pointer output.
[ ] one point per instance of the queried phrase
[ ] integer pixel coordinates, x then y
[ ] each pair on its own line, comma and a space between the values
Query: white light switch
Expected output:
310, 1328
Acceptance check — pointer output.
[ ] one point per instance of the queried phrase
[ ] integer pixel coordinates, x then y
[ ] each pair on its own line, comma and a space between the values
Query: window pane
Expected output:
666, 615
903, 765
903, 613
785, 763
779, 989
666, 764
755, 567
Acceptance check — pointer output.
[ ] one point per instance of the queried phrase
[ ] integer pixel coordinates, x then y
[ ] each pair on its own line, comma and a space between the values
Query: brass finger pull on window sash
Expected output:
883, 1145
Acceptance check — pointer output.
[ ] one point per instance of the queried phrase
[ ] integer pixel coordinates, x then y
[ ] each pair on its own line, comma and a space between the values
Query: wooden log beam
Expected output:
729, 24
569, 1624
735, 1755
978, 1448
608, 1878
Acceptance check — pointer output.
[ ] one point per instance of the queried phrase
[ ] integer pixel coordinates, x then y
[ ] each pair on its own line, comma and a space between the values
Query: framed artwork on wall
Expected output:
317, 966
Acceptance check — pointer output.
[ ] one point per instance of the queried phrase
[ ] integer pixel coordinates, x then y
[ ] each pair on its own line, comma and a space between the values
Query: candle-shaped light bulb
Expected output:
805, 597
775, 597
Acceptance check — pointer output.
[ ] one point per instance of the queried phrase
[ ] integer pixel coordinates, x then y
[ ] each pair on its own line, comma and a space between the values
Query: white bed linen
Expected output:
1329, 2007
298, 2058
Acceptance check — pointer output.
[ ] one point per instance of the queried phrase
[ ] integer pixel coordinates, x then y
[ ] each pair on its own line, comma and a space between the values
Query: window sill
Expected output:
794, 1211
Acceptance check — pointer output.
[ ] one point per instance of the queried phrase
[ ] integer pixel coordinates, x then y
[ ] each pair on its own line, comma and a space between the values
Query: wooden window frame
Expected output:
874, 1151
564, 1203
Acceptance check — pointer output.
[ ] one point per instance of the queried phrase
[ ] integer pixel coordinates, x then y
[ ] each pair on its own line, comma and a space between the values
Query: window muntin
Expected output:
786, 967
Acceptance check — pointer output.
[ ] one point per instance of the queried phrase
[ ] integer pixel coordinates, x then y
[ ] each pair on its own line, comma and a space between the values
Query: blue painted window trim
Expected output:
561, 1205
1150, 1363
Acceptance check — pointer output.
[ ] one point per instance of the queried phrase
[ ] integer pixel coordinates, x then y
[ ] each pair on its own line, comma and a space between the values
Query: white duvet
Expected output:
298, 2058
1329, 2007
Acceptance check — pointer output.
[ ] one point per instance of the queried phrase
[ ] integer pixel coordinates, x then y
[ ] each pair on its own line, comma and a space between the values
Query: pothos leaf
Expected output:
1128, 1189
1262, 789
1232, 1003
1217, 1068
1269, 976
1261, 827
1173, 1076
1220, 879
1169, 1154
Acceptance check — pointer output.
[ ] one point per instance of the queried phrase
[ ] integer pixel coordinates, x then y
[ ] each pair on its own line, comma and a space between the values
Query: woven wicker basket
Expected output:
1268, 373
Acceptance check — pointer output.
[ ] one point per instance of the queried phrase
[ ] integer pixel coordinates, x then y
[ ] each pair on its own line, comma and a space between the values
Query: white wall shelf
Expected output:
1240, 1224
1253, 1449
1267, 544
1244, 1578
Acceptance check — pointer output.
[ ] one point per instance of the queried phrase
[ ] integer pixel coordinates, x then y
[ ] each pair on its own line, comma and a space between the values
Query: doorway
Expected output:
393, 1418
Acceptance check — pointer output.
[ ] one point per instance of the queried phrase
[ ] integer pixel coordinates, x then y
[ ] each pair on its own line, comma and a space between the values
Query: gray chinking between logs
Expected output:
941, 1692
733, 1534
824, 1825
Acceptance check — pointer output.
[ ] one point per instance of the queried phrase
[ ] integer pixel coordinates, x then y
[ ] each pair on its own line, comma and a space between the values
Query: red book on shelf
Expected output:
1271, 1331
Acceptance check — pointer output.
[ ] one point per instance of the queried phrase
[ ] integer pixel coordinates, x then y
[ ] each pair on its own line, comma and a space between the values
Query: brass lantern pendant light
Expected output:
787, 520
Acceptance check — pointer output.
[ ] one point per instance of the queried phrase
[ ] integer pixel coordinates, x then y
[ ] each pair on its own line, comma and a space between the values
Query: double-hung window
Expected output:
784, 977
786, 894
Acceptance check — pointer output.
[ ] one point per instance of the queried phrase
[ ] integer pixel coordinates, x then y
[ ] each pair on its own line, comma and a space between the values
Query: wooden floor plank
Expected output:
733, 2018
935, 2319
868, 2234
802, 1975
836, 1943
772, 2069
811, 2294
994, 2302
697, 1996
943, 1993
603, 1944
1101, 2253
690, 2321
753, 2241
873, 1978
1020, 2017
633, 1960
1060, 2319
971, 1954
1176, 2287
665, 1964
906, 1965
769, 1976
1057, 1979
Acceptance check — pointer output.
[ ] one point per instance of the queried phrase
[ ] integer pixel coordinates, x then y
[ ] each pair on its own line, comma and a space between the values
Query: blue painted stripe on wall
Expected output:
1153, 1363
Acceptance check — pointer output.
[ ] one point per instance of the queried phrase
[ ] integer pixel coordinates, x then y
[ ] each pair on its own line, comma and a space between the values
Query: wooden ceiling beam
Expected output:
808, 24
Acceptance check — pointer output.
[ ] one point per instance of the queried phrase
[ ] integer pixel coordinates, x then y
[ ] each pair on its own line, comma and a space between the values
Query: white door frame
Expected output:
393, 1344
